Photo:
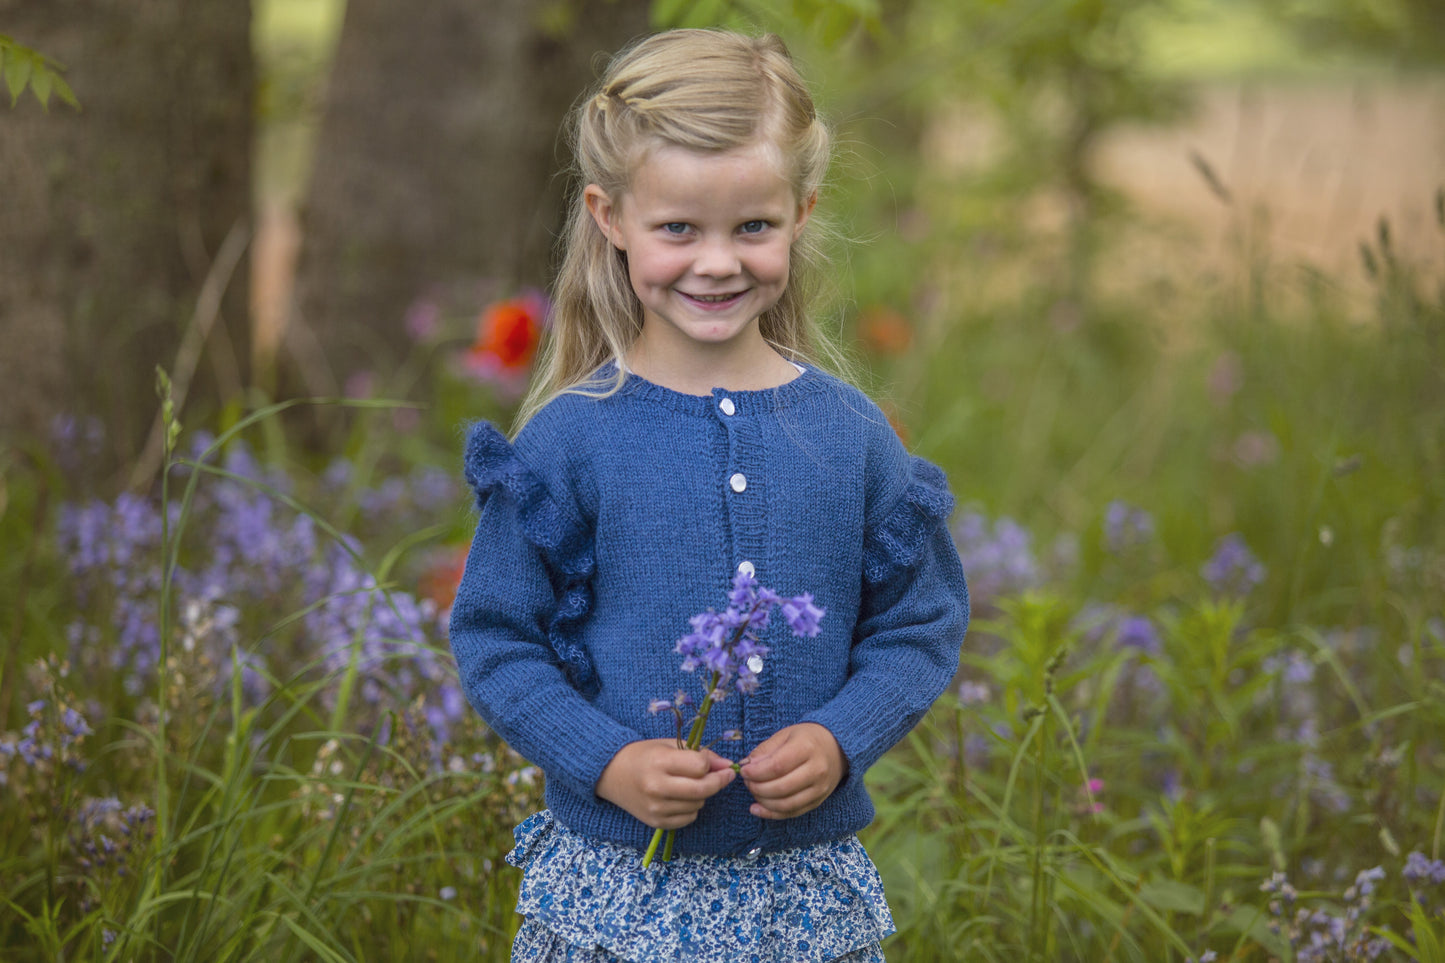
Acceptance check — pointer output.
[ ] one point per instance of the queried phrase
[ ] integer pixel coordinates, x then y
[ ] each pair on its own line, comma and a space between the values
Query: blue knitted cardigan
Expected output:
609, 522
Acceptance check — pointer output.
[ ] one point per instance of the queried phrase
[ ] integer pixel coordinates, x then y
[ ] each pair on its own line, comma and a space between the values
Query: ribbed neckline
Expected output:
761, 401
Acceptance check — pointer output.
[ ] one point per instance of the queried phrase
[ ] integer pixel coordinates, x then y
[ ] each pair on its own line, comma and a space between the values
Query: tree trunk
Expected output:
437, 165
111, 217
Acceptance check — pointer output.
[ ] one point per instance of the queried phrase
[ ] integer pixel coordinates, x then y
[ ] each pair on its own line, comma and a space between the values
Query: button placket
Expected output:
745, 500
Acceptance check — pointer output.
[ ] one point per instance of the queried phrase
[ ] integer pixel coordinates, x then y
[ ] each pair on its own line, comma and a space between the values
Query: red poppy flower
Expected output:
885, 331
439, 582
507, 336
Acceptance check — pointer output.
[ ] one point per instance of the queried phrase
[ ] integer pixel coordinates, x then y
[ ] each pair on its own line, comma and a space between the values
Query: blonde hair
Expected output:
703, 90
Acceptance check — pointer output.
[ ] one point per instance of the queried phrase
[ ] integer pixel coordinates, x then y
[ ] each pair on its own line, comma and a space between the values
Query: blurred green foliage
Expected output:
23, 67
1404, 33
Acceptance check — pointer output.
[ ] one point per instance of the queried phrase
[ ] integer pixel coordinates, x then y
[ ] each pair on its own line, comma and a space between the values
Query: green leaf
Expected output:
63, 91
42, 81
17, 71
1173, 897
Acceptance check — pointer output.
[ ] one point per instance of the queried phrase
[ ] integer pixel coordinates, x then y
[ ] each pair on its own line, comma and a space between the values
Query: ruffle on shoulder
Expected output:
492, 466
815, 903
898, 542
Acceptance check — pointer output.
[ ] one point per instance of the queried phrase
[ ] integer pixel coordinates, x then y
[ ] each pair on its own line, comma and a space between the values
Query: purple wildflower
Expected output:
802, 615
1137, 632
999, 559
729, 645
1233, 570
1419, 870
971, 693
76, 441
1126, 528
1365, 881
106, 836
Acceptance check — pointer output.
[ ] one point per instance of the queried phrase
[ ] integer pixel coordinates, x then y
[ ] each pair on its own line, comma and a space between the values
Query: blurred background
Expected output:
259, 196
1160, 283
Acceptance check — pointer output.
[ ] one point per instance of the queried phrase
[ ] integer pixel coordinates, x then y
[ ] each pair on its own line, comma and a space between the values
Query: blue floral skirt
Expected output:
588, 901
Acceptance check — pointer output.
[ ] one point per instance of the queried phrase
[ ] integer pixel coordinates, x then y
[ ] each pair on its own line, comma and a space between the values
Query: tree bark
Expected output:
111, 217
438, 165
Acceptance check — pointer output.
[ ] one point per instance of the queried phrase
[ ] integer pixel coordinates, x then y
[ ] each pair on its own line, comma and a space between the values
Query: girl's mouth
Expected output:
714, 299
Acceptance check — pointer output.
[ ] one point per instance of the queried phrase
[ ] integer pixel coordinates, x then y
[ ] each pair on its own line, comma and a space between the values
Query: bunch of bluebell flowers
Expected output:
727, 644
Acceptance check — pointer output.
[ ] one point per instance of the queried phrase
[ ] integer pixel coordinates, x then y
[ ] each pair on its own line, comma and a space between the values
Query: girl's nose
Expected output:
716, 258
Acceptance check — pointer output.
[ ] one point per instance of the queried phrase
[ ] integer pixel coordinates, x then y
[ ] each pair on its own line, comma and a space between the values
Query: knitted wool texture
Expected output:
611, 521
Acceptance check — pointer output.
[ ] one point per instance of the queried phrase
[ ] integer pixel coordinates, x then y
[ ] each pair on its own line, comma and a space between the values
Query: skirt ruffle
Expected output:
807, 905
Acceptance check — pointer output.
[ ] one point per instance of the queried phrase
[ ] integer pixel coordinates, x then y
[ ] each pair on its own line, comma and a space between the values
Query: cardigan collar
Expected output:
808, 381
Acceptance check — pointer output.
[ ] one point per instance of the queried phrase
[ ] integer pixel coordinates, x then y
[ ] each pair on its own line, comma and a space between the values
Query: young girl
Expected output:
680, 431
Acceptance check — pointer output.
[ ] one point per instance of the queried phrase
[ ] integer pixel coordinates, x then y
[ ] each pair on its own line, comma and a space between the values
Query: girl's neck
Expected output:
698, 373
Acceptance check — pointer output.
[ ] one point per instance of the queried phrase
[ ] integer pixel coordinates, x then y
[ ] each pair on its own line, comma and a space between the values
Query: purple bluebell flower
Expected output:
729, 646
1419, 870
107, 835
1137, 632
998, 559
802, 615
1323, 787
971, 693
1126, 528
1233, 570
1365, 881
77, 437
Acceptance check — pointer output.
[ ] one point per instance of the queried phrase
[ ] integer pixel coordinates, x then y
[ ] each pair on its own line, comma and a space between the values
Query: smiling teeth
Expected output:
712, 298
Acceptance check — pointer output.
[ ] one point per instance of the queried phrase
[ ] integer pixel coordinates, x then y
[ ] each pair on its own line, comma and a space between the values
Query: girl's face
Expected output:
707, 238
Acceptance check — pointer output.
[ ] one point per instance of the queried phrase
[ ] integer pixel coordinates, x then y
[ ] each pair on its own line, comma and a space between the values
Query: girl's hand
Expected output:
793, 771
662, 785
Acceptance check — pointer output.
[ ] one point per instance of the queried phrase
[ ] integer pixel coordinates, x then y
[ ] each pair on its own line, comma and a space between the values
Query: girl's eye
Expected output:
674, 227
754, 227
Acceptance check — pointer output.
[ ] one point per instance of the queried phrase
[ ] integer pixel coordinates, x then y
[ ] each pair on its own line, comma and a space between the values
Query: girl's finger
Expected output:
786, 785
695, 789
686, 762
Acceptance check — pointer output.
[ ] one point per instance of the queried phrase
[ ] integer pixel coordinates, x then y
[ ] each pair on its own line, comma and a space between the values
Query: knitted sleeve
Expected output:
911, 621
526, 585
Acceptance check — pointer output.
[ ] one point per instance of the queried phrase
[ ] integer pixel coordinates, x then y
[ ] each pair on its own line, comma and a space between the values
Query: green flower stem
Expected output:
694, 741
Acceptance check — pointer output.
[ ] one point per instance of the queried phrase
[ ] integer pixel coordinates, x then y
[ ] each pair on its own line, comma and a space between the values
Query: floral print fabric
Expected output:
588, 901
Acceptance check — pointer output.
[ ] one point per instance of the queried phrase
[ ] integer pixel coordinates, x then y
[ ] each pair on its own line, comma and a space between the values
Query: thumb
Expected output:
716, 762
718, 779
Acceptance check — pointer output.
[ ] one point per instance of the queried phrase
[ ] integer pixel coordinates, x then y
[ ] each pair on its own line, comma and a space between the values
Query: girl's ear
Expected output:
804, 210
604, 212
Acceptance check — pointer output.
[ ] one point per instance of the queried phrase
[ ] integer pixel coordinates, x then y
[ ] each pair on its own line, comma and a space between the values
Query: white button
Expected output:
739, 481
727, 406
747, 568
753, 853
